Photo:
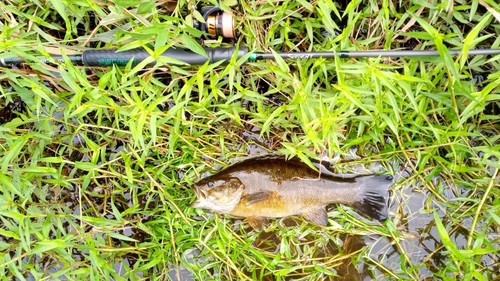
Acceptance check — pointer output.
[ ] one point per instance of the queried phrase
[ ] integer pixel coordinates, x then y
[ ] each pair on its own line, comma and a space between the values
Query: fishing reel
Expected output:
217, 23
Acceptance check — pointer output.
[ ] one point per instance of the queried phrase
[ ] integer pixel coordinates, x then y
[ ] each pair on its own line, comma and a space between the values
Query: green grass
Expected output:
95, 173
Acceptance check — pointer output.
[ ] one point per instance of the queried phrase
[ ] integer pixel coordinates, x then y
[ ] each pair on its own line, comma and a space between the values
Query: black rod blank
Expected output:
372, 54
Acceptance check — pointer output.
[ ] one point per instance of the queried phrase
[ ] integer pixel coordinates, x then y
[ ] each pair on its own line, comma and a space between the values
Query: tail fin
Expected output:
374, 195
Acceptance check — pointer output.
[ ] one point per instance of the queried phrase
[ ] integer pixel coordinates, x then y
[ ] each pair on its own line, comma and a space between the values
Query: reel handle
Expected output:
112, 57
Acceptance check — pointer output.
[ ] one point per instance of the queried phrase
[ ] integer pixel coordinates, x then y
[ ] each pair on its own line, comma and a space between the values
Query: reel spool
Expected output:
217, 23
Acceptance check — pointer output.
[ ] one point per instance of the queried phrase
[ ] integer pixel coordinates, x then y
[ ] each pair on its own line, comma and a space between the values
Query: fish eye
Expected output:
210, 184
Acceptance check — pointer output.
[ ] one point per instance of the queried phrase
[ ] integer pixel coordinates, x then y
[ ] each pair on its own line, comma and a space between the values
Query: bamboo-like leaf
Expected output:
441, 48
445, 238
146, 7
48, 245
14, 152
470, 39
121, 236
61, 9
192, 45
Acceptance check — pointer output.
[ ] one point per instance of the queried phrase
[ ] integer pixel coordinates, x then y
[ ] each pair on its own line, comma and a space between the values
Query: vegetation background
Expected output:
96, 164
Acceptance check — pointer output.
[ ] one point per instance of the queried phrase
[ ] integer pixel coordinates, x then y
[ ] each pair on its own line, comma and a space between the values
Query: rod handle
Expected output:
111, 57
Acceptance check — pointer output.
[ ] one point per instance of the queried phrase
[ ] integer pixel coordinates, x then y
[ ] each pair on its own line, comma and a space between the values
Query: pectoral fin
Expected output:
317, 216
256, 222
256, 197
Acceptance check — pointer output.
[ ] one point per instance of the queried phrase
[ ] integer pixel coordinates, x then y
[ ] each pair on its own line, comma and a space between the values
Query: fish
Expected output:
273, 187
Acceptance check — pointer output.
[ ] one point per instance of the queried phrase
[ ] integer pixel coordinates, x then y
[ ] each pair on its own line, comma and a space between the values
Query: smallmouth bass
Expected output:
273, 187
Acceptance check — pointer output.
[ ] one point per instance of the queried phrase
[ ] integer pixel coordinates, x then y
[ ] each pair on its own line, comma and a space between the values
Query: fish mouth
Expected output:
200, 197
196, 204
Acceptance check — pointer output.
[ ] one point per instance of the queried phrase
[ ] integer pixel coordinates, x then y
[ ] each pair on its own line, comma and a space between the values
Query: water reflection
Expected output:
336, 256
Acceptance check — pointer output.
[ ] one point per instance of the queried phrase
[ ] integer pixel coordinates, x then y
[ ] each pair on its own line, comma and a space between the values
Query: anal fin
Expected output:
317, 216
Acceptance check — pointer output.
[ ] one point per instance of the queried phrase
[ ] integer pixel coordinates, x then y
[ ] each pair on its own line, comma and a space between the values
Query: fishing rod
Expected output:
110, 57
219, 23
